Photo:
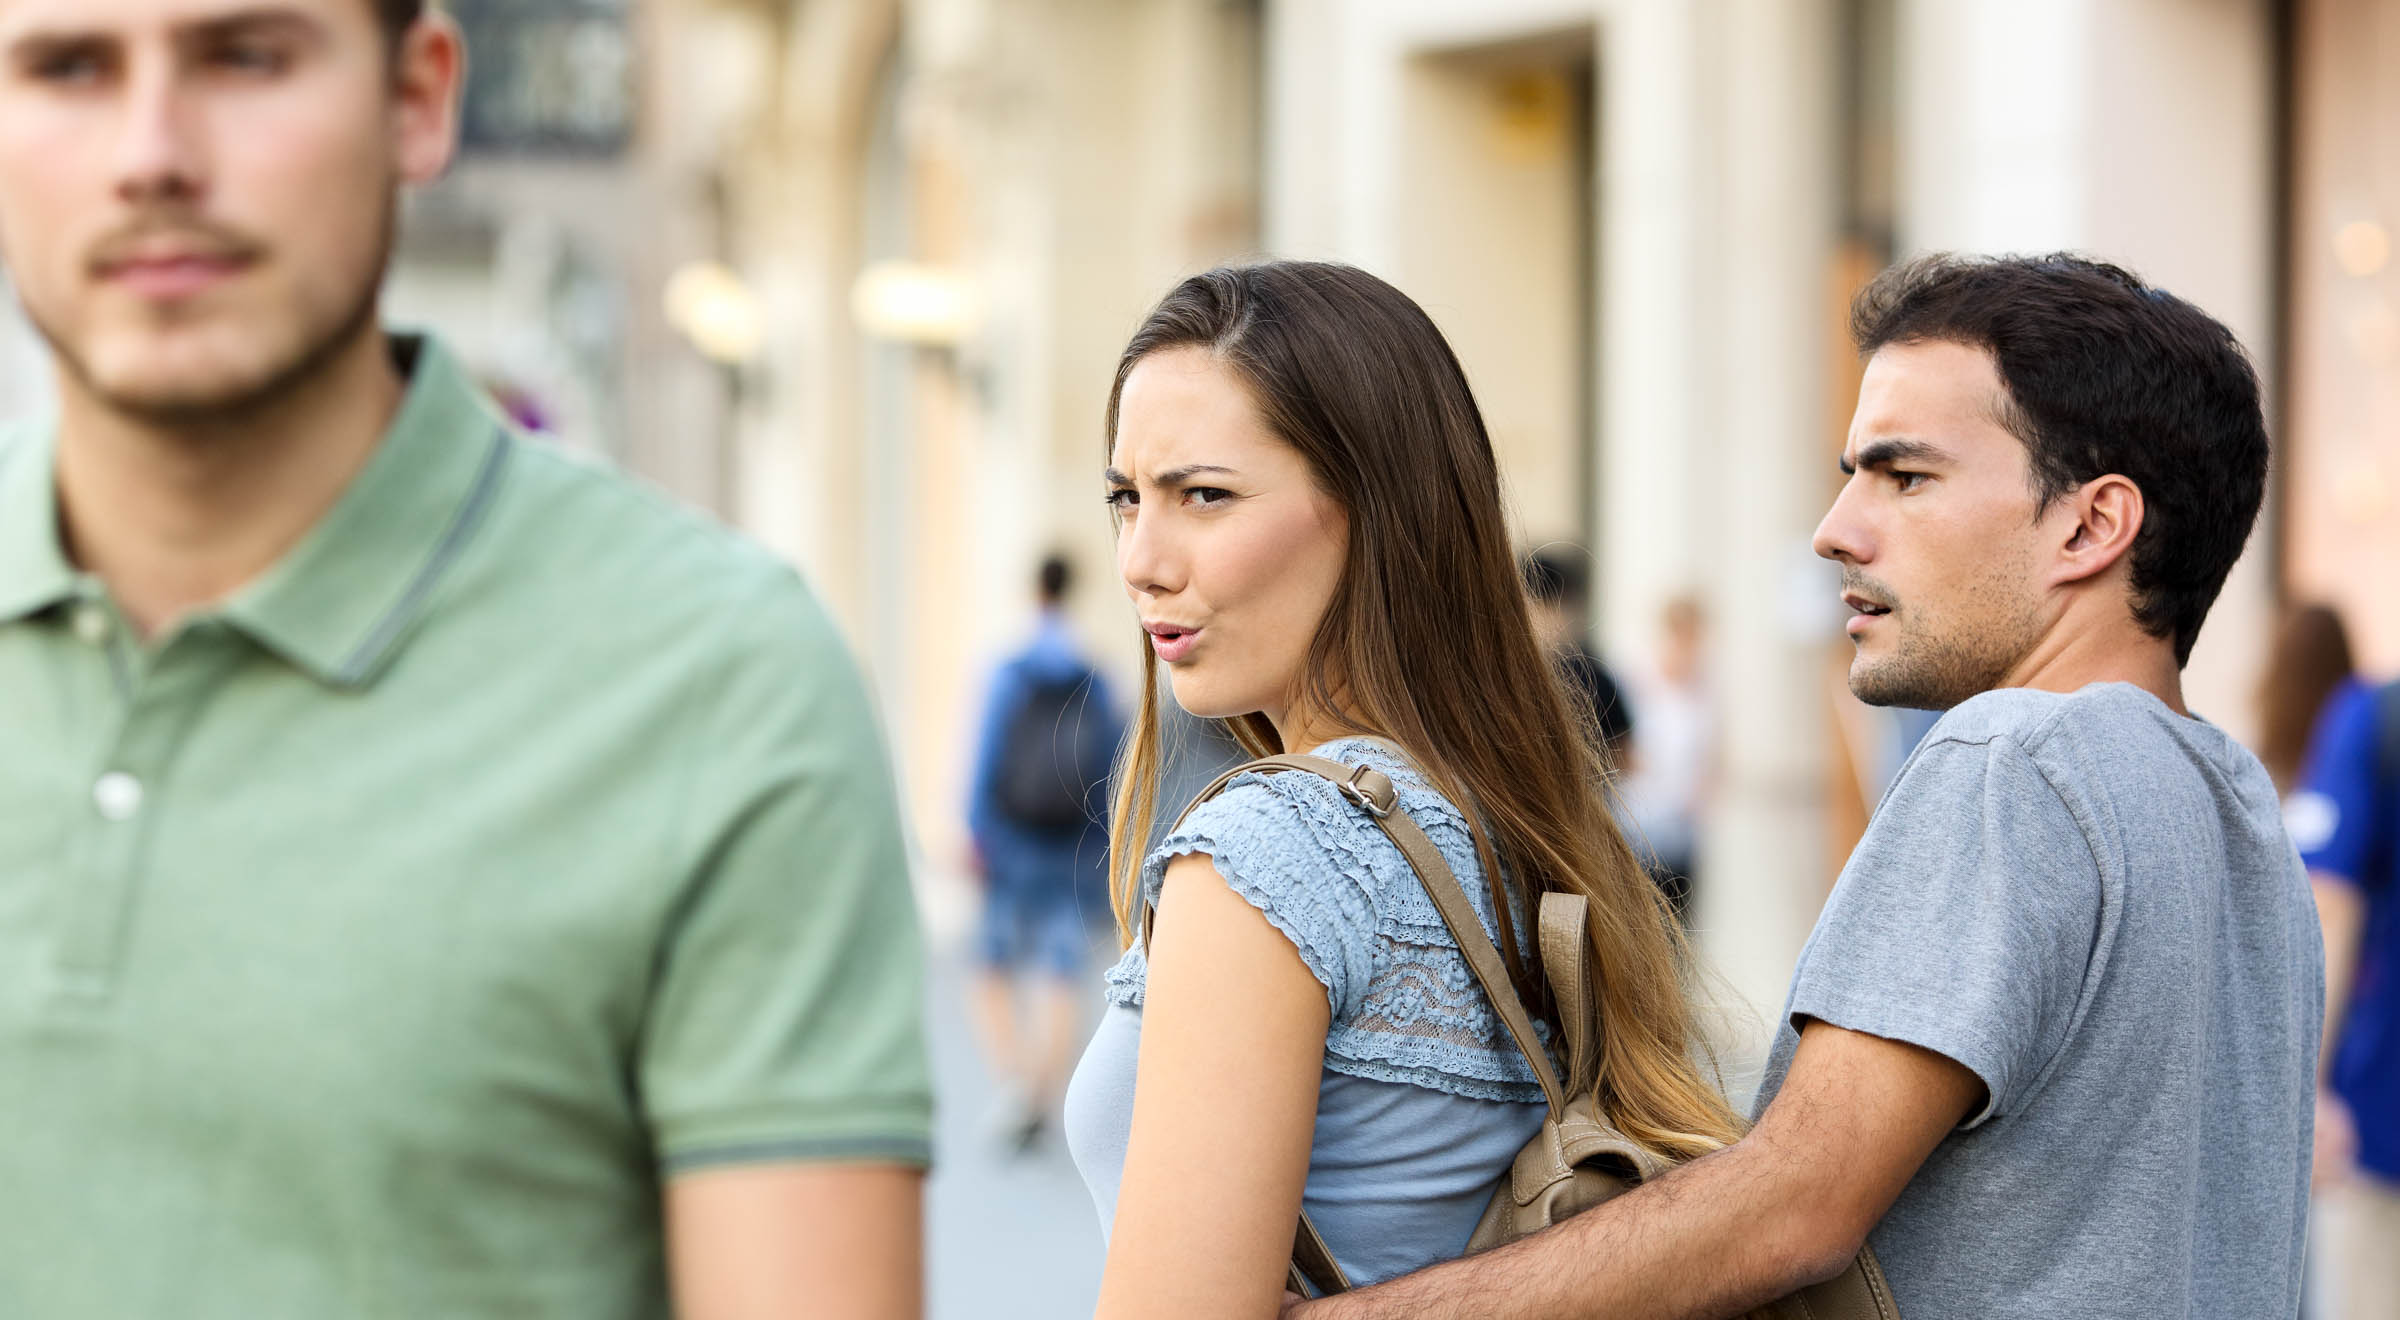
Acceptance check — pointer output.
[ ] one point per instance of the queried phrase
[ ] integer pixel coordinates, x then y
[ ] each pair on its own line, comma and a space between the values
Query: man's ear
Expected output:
429, 74
2104, 516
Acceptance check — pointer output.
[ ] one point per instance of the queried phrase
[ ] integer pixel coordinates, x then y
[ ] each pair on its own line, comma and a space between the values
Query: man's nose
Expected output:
1842, 534
160, 152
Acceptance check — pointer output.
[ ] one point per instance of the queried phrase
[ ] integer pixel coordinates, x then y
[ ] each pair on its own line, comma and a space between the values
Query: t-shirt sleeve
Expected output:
2335, 818
785, 1018
1289, 855
1965, 922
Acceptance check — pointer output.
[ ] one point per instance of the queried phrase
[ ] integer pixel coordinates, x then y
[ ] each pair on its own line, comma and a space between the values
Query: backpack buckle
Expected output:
1371, 789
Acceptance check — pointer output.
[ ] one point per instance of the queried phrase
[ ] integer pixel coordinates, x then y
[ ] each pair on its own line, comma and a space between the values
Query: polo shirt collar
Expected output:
340, 603
34, 573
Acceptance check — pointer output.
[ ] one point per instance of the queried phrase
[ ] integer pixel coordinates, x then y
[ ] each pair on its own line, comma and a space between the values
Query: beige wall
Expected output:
2342, 474
1491, 239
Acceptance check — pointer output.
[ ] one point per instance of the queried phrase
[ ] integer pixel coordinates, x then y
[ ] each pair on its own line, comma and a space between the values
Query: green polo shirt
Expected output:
375, 944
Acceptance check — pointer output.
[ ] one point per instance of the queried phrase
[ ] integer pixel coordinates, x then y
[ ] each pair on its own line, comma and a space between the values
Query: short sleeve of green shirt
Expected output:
785, 1023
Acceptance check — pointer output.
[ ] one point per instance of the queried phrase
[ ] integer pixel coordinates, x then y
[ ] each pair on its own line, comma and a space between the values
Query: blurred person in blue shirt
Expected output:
2346, 822
1037, 809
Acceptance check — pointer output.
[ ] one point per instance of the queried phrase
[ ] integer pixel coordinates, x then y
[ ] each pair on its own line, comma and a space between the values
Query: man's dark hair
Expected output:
2105, 374
398, 16
1056, 576
1557, 576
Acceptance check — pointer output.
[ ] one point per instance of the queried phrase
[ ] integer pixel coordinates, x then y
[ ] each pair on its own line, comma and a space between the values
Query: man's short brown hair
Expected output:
399, 15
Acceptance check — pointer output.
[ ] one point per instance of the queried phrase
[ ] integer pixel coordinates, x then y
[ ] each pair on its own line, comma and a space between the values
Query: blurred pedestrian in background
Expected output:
1558, 579
436, 877
2344, 815
2307, 665
1037, 806
1665, 791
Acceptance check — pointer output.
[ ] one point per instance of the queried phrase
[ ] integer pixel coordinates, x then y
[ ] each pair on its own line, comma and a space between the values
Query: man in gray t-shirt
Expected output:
2052, 1046
2088, 901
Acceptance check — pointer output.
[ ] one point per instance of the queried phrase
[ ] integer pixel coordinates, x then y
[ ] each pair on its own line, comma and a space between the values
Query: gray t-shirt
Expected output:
2089, 901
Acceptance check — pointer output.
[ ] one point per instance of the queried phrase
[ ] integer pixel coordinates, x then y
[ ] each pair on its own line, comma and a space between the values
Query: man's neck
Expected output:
2076, 655
174, 518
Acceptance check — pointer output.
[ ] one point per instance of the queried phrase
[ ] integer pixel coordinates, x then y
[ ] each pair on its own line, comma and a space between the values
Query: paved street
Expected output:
1007, 1239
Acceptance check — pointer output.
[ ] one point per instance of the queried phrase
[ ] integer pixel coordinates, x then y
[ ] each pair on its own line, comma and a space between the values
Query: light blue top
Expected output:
1425, 1099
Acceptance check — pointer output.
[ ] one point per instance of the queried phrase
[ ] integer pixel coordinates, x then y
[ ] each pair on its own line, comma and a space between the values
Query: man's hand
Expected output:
773, 1241
1786, 1207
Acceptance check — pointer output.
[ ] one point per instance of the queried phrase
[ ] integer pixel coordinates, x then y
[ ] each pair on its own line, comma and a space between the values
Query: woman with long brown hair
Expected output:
1310, 527
2307, 664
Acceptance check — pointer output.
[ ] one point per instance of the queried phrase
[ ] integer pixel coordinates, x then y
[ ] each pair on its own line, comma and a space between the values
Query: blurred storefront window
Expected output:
548, 75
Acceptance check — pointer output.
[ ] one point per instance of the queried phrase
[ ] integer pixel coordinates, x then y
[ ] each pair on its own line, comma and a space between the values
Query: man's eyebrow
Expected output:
60, 38
50, 42
1884, 453
256, 21
1172, 476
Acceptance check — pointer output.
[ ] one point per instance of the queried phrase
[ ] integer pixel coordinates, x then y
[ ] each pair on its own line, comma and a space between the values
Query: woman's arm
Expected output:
1225, 1104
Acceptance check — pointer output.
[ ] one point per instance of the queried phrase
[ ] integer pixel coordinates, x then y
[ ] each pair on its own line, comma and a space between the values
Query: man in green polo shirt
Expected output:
438, 880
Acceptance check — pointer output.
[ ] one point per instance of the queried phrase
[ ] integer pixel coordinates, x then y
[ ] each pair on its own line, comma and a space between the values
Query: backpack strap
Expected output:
1565, 960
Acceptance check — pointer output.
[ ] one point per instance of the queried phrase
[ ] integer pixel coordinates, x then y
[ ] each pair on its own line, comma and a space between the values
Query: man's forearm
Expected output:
1712, 1239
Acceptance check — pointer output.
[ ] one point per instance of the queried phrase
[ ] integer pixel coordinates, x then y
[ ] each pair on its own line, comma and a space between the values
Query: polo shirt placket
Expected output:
164, 694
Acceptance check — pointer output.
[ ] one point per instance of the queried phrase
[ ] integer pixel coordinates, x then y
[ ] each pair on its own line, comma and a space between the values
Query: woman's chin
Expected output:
1198, 701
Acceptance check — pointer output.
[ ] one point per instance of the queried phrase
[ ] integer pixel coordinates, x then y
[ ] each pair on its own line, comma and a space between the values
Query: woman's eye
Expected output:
1207, 495
1121, 500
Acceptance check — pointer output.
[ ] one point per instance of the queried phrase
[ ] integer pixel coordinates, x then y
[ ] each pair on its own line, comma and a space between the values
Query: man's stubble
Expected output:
250, 394
1944, 659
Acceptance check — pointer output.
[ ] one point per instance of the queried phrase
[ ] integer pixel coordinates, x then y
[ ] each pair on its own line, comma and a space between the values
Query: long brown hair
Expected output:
1428, 642
2310, 658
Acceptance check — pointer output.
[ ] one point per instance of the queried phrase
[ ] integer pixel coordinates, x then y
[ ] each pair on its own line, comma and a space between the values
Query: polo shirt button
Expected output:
118, 795
91, 624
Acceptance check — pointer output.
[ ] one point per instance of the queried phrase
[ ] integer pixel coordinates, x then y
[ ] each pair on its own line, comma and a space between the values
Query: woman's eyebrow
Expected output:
1172, 476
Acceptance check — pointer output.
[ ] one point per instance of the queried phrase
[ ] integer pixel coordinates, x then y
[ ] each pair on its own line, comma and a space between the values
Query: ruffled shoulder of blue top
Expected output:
1405, 1006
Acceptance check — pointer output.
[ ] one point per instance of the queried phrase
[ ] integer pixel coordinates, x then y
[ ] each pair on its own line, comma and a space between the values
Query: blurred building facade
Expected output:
854, 274
2341, 492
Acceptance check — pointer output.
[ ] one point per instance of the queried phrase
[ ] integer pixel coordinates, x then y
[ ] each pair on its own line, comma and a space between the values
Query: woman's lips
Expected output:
1173, 646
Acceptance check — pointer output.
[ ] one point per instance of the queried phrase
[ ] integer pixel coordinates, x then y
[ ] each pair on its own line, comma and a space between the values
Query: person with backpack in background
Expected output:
2346, 822
1039, 795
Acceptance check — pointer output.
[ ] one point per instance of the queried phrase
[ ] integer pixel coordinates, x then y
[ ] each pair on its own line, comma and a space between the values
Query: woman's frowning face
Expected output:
1228, 547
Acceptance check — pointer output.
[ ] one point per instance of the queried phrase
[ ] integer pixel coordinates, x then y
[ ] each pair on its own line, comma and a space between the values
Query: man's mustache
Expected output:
1859, 584
184, 236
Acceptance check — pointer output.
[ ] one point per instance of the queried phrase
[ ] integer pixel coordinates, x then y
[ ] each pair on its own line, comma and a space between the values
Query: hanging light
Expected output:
2362, 247
914, 303
710, 305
